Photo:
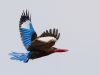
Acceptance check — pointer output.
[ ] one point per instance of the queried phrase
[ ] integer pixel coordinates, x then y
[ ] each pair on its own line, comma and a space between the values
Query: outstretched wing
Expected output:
46, 40
27, 32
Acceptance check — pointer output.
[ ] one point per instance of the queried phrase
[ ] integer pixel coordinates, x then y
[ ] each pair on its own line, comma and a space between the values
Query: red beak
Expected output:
61, 50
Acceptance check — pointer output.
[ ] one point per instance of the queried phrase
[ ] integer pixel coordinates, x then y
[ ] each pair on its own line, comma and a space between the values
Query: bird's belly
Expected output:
38, 54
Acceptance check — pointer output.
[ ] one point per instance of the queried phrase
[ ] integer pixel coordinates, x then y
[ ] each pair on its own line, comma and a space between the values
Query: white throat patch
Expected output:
47, 39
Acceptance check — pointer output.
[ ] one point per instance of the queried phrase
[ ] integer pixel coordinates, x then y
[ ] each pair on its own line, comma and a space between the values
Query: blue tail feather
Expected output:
20, 56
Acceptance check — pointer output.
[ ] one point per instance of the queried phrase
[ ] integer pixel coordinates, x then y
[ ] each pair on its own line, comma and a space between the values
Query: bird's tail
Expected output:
20, 56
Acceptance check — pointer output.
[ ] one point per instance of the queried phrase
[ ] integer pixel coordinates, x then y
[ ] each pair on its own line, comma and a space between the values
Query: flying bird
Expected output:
36, 46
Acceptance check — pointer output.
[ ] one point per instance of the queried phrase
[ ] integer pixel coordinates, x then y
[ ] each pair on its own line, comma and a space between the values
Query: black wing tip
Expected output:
25, 16
51, 32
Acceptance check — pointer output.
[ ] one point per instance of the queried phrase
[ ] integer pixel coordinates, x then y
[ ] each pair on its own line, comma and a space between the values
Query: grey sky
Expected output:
78, 22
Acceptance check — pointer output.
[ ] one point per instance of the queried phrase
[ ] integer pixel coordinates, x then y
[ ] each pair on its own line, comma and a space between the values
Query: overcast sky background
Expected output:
78, 22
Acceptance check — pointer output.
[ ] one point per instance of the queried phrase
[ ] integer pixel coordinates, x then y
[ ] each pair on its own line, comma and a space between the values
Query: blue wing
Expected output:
27, 31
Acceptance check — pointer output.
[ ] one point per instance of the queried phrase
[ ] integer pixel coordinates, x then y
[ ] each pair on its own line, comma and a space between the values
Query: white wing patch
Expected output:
26, 25
47, 39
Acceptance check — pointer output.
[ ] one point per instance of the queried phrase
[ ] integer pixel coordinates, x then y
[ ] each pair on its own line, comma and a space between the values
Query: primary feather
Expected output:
27, 31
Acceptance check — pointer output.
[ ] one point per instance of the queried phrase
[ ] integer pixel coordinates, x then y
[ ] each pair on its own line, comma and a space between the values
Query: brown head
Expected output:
53, 50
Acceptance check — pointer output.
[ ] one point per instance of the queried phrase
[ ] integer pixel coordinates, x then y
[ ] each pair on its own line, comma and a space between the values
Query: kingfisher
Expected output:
36, 46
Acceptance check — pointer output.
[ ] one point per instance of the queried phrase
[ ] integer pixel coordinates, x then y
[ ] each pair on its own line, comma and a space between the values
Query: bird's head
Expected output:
53, 50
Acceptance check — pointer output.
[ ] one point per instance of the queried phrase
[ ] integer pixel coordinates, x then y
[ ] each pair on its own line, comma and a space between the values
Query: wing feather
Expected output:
27, 31
46, 40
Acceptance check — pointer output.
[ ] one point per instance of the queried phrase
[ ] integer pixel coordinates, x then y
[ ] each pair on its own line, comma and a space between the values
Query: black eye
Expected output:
54, 48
